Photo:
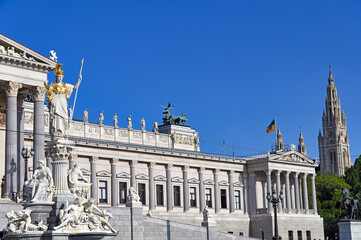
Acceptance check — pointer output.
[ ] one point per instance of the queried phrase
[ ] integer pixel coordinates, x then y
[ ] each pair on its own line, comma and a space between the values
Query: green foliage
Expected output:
329, 197
353, 177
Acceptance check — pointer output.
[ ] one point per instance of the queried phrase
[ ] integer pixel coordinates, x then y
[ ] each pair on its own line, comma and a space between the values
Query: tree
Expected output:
353, 177
329, 197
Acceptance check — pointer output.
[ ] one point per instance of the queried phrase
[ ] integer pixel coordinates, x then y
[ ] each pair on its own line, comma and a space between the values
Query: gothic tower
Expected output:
279, 144
333, 142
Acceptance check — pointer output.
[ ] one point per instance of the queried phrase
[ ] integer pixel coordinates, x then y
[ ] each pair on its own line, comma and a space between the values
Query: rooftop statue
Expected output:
40, 187
350, 204
58, 95
170, 119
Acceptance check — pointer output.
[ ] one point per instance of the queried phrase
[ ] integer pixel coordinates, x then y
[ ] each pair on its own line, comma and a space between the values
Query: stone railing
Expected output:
183, 140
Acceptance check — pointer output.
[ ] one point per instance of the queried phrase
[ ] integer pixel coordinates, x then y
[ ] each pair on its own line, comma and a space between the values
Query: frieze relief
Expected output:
163, 139
184, 139
123, 133
150, 137
10, 51
93, 129
136, 135
78, 127
28, 118
109, 132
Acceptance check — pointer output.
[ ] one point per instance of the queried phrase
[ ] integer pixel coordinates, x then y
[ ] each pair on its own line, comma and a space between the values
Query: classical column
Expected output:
253, 192
245, 192
113, 167
132, 174
202, 202
269, 188
216, 190
297, 192
231, 191
313, 190
185, 189
300, 192
278, 186
20, 141
93, 177
11, 143
305, 194
151, 185
39, 139
288, 192
169, 187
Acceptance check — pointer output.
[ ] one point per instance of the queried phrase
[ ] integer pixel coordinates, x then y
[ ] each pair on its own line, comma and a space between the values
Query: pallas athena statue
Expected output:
58, 95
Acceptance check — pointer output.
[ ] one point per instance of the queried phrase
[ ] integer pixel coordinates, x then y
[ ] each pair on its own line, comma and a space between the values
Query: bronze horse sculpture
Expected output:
350, 204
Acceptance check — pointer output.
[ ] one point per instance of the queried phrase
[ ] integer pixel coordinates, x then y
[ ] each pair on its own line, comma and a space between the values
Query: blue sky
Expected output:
230, 65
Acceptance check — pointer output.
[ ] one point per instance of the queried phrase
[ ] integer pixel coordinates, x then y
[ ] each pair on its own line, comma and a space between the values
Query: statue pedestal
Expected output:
211, 230
349, 229
40, 210
50, 235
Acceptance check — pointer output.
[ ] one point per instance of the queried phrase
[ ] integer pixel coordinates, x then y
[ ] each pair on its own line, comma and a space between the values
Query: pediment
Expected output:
85, 172
193, 180
208, 182
223, 183
177, 180
142, 176
237, 184
293, 156
160, 178
123, 175
103, 173
13, 53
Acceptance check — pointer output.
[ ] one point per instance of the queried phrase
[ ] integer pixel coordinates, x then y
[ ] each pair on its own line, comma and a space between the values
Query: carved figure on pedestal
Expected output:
21, 222
79, 189
101, 117
58, 95
72, 215
129, 122
85, 115
196, 142
97, 218
115, 120
133, 195
350, 204
206, 216
53, 56
40, 187
142, 123
155, 126
354, 211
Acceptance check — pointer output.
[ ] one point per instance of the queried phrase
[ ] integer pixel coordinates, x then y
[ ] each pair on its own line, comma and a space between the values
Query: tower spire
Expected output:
301, 145
330, 77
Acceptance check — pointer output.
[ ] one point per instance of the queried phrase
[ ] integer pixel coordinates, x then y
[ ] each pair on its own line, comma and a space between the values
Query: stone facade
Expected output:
333, 142
174, 179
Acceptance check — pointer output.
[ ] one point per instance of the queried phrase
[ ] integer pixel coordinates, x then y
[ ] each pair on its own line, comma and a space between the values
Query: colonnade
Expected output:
14, 135
298, 192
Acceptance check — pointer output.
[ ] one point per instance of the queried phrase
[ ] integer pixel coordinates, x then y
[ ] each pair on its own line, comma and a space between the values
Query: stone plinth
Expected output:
211, 230
182, 137
136, 220
40, 210
349, 229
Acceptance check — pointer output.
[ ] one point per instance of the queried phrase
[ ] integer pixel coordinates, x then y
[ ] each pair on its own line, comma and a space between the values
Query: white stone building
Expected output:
174, 179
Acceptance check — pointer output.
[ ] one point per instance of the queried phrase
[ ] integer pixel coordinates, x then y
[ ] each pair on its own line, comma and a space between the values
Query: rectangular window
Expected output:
193, 197
308, 235
290, 235
159, 195
176, 192
299, 235
237, 199
141, 192
103, 192
209, 197
223, 198
122, 192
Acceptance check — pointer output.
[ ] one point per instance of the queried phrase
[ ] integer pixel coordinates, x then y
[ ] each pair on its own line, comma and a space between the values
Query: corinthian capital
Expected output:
12, 88
39, 93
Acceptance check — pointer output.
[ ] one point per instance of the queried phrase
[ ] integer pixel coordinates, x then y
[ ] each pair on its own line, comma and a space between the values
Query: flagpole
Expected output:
275, 134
